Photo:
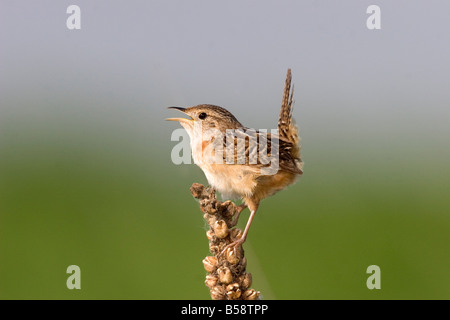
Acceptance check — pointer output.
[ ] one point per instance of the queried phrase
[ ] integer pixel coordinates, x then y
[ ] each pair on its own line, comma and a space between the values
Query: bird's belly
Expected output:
232, 181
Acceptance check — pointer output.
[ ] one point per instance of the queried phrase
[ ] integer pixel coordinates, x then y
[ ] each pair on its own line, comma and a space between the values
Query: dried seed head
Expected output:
209, 234
218, 293
220, 229
197, 190
225, 275
226, 270
245, 280
210, 219
211, 207
211, 280
208, 206
231, 256
226, 208
244, 262
214, 249
233, 291
210, 263
250, 294
235, 234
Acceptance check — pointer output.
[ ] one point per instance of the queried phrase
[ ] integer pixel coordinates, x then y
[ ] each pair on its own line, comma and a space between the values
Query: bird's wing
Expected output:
257, 148
254, 147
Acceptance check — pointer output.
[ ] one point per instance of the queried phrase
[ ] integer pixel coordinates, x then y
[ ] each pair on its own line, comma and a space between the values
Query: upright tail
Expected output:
286, 126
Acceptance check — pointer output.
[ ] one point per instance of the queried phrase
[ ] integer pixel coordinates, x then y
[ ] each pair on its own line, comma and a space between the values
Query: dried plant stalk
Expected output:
227, 278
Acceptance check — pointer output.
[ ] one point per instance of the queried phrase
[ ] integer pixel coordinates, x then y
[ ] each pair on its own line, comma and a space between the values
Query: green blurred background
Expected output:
86, 176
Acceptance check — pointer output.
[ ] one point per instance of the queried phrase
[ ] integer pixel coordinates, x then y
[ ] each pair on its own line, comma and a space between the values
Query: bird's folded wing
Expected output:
252, 147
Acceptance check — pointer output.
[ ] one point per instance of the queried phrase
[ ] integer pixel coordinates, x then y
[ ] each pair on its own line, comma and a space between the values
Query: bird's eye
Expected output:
202, 116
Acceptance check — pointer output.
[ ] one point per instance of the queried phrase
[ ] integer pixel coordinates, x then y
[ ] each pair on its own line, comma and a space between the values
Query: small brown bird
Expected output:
236, 166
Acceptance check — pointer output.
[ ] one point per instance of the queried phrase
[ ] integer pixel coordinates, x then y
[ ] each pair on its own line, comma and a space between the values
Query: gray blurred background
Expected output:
85, 171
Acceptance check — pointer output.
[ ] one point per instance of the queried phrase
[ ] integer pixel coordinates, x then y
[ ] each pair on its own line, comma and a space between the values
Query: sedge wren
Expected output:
235, 159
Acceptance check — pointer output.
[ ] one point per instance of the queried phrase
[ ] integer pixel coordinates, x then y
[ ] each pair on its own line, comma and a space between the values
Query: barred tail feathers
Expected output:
286, 125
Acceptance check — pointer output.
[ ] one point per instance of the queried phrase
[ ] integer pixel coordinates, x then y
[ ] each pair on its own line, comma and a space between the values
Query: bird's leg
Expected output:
241, 240
239, 209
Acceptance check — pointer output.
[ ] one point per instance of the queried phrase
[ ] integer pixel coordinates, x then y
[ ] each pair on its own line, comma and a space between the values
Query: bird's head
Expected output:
207, 117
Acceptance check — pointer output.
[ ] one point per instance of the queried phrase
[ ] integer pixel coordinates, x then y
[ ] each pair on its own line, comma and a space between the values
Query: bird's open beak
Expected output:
180, 119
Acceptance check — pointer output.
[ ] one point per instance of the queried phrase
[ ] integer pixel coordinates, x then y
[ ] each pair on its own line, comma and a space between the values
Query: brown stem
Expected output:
227, 278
